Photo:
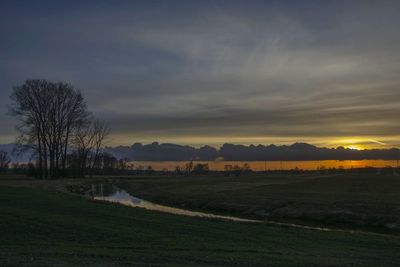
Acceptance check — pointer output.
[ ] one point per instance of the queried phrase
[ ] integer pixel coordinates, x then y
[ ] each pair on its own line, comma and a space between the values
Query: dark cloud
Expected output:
189, 69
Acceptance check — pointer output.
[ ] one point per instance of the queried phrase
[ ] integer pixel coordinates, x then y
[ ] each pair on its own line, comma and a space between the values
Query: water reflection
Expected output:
111, 193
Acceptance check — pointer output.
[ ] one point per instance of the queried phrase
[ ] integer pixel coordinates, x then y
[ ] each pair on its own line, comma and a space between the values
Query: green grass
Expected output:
47, 228
359, 201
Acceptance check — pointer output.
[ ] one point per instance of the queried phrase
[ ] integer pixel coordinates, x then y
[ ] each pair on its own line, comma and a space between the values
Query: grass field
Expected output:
46, 228
354, 201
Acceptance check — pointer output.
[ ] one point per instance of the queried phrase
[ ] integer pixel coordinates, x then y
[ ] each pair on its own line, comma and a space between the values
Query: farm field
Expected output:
354, 201
44, 227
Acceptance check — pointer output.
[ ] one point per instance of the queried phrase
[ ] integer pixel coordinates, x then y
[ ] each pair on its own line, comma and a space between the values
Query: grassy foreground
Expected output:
46, 228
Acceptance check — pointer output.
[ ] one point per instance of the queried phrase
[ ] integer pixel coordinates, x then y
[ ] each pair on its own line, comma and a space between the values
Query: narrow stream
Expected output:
111, 193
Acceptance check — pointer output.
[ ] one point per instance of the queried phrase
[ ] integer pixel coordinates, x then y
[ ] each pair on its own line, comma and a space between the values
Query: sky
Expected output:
211, 72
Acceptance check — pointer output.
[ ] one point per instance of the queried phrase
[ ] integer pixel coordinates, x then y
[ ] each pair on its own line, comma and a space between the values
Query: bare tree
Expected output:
4, 161
189, 167
49, 113
87, 142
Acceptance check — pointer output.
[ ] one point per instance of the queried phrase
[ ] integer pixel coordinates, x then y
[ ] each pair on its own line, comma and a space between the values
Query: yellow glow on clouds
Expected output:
359, 143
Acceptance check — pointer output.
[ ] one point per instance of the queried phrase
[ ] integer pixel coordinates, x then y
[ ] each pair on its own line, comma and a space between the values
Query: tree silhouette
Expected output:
87, 142
51, 115
4, 161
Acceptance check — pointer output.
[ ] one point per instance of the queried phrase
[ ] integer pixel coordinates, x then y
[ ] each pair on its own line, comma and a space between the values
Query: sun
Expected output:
354, 147
358, 143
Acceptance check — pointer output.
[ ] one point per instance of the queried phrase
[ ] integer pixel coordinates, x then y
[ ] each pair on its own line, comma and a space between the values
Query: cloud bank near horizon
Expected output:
200, 72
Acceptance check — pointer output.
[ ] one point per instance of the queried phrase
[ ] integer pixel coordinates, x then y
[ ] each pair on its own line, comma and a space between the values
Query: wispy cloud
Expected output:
189, 70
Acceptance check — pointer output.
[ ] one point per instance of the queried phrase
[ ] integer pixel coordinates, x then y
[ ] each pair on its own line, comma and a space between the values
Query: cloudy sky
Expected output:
209, 72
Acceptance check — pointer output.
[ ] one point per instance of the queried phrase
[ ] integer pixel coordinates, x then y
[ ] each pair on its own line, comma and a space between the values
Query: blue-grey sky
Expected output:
197, 72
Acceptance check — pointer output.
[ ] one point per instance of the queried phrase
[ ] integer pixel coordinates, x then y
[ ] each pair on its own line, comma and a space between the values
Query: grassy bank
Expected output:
46, 228
353, 201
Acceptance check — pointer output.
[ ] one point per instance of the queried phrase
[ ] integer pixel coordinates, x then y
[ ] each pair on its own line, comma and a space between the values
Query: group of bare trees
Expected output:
88, 141
55, 122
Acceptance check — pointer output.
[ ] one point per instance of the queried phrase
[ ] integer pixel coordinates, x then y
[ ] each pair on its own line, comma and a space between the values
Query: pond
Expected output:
111, 193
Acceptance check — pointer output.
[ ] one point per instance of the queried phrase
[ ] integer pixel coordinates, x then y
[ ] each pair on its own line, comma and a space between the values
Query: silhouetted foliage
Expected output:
53, 119
236, 169
178, 170
188, 167
200, 168
4, 161
149, 170
49, 113
87, 143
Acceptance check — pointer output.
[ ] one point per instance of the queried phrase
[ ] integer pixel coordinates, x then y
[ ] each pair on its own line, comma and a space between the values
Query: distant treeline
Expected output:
231, 152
